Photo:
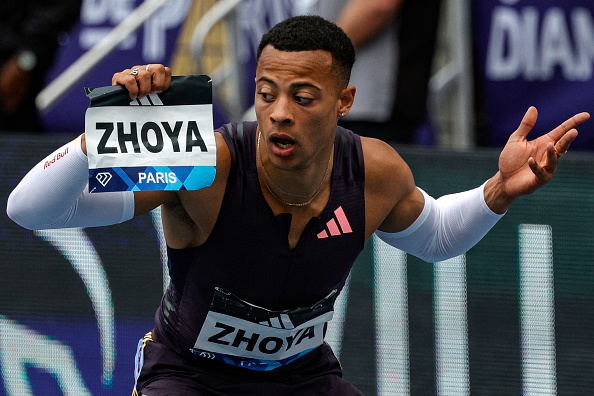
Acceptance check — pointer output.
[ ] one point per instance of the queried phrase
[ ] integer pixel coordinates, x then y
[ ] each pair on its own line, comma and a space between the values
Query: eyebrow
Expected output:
293, 86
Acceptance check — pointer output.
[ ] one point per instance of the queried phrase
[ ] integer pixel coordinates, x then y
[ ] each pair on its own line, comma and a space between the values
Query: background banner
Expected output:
165, 39
154, 42
534, 53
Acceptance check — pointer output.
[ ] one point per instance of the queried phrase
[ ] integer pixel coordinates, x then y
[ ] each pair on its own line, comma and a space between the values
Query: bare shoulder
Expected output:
385, 170
389, 184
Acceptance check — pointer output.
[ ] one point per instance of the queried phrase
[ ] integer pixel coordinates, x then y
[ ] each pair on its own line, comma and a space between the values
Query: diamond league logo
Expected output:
103, 178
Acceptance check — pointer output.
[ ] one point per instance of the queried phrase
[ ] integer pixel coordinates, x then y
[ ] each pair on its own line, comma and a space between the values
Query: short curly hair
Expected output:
311, 33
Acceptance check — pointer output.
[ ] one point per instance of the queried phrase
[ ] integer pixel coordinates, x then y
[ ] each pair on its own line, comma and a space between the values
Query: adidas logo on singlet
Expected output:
334, 229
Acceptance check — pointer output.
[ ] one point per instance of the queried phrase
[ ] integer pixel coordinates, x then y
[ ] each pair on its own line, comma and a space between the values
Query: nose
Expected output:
281, 111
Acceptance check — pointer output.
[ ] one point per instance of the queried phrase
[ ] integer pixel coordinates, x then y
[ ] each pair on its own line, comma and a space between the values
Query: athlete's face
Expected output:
298, 102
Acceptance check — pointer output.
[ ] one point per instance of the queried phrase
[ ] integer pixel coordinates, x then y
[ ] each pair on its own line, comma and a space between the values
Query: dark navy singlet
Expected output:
247, 257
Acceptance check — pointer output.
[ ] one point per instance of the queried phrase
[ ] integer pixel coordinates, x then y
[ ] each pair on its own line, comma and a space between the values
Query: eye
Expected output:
266, 96
302, 100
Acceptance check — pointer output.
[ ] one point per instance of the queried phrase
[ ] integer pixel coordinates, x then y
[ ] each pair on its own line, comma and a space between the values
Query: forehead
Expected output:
314, 65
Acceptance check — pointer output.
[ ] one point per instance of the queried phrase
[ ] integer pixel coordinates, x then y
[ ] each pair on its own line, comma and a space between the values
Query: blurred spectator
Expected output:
29, 33
395, 41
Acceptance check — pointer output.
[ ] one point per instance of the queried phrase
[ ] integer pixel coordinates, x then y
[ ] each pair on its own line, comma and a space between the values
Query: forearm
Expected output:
496, 197
54, 195
361, 20
447, 227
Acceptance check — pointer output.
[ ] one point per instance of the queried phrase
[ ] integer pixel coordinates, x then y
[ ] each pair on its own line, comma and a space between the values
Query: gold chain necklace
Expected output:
313, 196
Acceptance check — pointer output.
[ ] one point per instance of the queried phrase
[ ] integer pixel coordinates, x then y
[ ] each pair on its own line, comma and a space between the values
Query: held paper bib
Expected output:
164, 141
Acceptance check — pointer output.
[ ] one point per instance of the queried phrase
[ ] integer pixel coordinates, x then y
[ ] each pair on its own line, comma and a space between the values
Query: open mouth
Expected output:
283, 143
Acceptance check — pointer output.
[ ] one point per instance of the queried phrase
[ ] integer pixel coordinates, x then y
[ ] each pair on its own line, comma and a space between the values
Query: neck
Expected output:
292, 198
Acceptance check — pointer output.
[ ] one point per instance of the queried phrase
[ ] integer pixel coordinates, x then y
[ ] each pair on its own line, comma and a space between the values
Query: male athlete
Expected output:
254, 267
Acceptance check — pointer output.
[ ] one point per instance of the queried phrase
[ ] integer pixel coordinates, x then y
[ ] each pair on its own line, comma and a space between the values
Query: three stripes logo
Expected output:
149, 100
333, 228
282, 321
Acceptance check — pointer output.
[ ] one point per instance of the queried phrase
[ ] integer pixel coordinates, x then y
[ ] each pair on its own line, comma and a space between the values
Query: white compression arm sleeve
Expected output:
447, 227
54, 194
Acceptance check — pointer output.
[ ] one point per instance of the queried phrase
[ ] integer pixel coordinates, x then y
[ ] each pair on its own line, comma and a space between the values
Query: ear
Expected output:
345, 100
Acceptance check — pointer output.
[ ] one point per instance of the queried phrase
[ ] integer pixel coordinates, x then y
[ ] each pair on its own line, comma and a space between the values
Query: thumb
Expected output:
528, 122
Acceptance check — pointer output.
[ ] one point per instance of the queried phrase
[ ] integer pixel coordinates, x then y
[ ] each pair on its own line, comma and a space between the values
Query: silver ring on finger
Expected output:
134, 72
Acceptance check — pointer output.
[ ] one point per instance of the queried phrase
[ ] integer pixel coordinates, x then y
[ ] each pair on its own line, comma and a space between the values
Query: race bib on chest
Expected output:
240, 333
164, 141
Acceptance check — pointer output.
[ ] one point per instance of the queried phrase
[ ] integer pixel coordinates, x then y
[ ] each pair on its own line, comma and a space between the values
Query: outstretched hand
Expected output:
526, 165
143, 80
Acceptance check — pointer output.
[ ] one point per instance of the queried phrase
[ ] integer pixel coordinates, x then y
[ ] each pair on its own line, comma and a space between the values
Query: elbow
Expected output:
441, 252
18, 213
433, 258
436, 258
23, 213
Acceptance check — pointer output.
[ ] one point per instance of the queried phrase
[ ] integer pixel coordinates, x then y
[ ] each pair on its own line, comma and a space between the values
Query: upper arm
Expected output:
190, 216
145, 201
392, 200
